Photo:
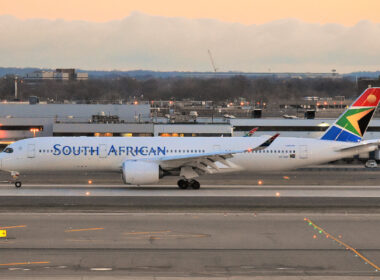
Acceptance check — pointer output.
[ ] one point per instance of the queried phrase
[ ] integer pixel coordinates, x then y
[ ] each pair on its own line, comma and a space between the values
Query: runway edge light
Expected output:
3, 233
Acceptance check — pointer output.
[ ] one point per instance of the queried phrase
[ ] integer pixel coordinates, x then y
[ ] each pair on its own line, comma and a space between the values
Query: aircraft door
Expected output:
31, 150
303, 152
102, 150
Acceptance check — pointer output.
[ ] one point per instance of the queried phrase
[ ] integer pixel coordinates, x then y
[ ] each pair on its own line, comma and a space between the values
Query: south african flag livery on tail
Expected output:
353, 123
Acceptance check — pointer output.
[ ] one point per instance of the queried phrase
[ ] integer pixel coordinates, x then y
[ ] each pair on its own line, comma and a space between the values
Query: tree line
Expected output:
214, 89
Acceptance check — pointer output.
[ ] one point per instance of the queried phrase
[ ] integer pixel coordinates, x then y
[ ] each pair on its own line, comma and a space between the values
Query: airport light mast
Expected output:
16, 95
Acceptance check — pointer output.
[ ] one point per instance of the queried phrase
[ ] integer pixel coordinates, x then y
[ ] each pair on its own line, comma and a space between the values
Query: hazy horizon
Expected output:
246, 36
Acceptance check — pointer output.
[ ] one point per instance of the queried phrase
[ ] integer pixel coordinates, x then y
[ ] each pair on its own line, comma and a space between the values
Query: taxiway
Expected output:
189, 244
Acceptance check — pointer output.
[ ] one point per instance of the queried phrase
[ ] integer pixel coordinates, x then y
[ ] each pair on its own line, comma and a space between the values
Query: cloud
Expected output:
141, 41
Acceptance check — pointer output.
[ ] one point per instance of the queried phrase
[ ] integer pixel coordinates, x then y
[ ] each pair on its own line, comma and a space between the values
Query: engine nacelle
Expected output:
137, 172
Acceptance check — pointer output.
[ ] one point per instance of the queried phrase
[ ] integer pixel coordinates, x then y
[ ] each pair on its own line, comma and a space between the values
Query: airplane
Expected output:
144, 160
251, 132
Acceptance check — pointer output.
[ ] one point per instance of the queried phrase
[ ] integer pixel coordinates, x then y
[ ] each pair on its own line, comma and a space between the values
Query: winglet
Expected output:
251, 132
266, 144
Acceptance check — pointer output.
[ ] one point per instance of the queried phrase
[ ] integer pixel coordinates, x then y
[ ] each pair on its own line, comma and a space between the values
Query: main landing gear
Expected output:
185, 184
18, 184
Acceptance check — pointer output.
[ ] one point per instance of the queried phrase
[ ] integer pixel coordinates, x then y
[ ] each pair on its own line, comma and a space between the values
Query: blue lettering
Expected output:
76, 153
144, 151
152, 151
66, 150
57, 151
130, 151
121, 150
161, 151
136, 150
85, 148
112, 150
92, 151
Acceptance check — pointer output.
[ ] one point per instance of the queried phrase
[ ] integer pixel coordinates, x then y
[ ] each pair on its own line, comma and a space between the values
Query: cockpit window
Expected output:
8, 150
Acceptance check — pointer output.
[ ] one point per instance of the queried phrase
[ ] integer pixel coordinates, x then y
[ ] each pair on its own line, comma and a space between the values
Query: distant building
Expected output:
364, 83
58, 74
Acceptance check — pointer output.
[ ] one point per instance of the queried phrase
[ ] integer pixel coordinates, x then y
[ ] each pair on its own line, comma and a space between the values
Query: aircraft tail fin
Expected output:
353, 123
251, 132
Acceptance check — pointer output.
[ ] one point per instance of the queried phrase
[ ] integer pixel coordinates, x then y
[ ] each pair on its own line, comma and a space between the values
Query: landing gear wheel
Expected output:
183, 184
18, 184
194, 184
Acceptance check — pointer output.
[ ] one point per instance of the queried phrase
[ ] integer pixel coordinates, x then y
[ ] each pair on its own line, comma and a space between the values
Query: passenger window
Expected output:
8, 150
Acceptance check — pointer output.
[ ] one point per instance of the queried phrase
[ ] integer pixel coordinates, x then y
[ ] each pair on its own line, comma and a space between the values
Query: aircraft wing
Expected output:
193, 165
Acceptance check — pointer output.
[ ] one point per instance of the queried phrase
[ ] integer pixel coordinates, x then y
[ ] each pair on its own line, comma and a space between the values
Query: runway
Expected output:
189, 244
319, 175
300, 224
170, 197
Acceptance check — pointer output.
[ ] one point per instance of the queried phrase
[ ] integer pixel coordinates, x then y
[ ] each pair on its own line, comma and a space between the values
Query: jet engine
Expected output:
137, 172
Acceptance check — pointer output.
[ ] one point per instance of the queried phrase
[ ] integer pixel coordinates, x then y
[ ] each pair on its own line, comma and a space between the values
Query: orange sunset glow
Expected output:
242, 11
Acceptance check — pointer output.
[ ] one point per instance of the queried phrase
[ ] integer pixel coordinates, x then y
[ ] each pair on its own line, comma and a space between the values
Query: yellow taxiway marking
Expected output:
146, 232
22, 263
83, 229
348, 247
21, 226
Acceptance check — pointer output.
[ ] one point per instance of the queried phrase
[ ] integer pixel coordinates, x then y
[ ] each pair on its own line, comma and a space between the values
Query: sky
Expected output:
243, 35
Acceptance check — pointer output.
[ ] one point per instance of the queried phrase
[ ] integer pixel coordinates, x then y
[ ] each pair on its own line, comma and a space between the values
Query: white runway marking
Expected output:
101, 268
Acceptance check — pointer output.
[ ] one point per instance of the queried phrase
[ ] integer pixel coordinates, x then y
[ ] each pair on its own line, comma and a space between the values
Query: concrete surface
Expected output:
221, 197
189, 244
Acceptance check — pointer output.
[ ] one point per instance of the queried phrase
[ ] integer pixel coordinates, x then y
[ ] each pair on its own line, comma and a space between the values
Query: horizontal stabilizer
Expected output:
363, 147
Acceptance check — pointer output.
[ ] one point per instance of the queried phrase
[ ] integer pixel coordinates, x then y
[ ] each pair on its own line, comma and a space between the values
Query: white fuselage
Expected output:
108, 153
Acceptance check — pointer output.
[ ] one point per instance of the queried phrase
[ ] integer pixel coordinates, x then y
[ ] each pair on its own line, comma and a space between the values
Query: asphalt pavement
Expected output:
190, 244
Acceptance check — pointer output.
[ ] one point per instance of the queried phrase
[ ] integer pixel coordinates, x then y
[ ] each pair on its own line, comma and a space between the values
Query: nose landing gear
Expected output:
185, 184
15, 176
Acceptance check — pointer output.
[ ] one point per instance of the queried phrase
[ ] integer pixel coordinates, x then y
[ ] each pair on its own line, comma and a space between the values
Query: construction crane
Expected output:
212, 61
